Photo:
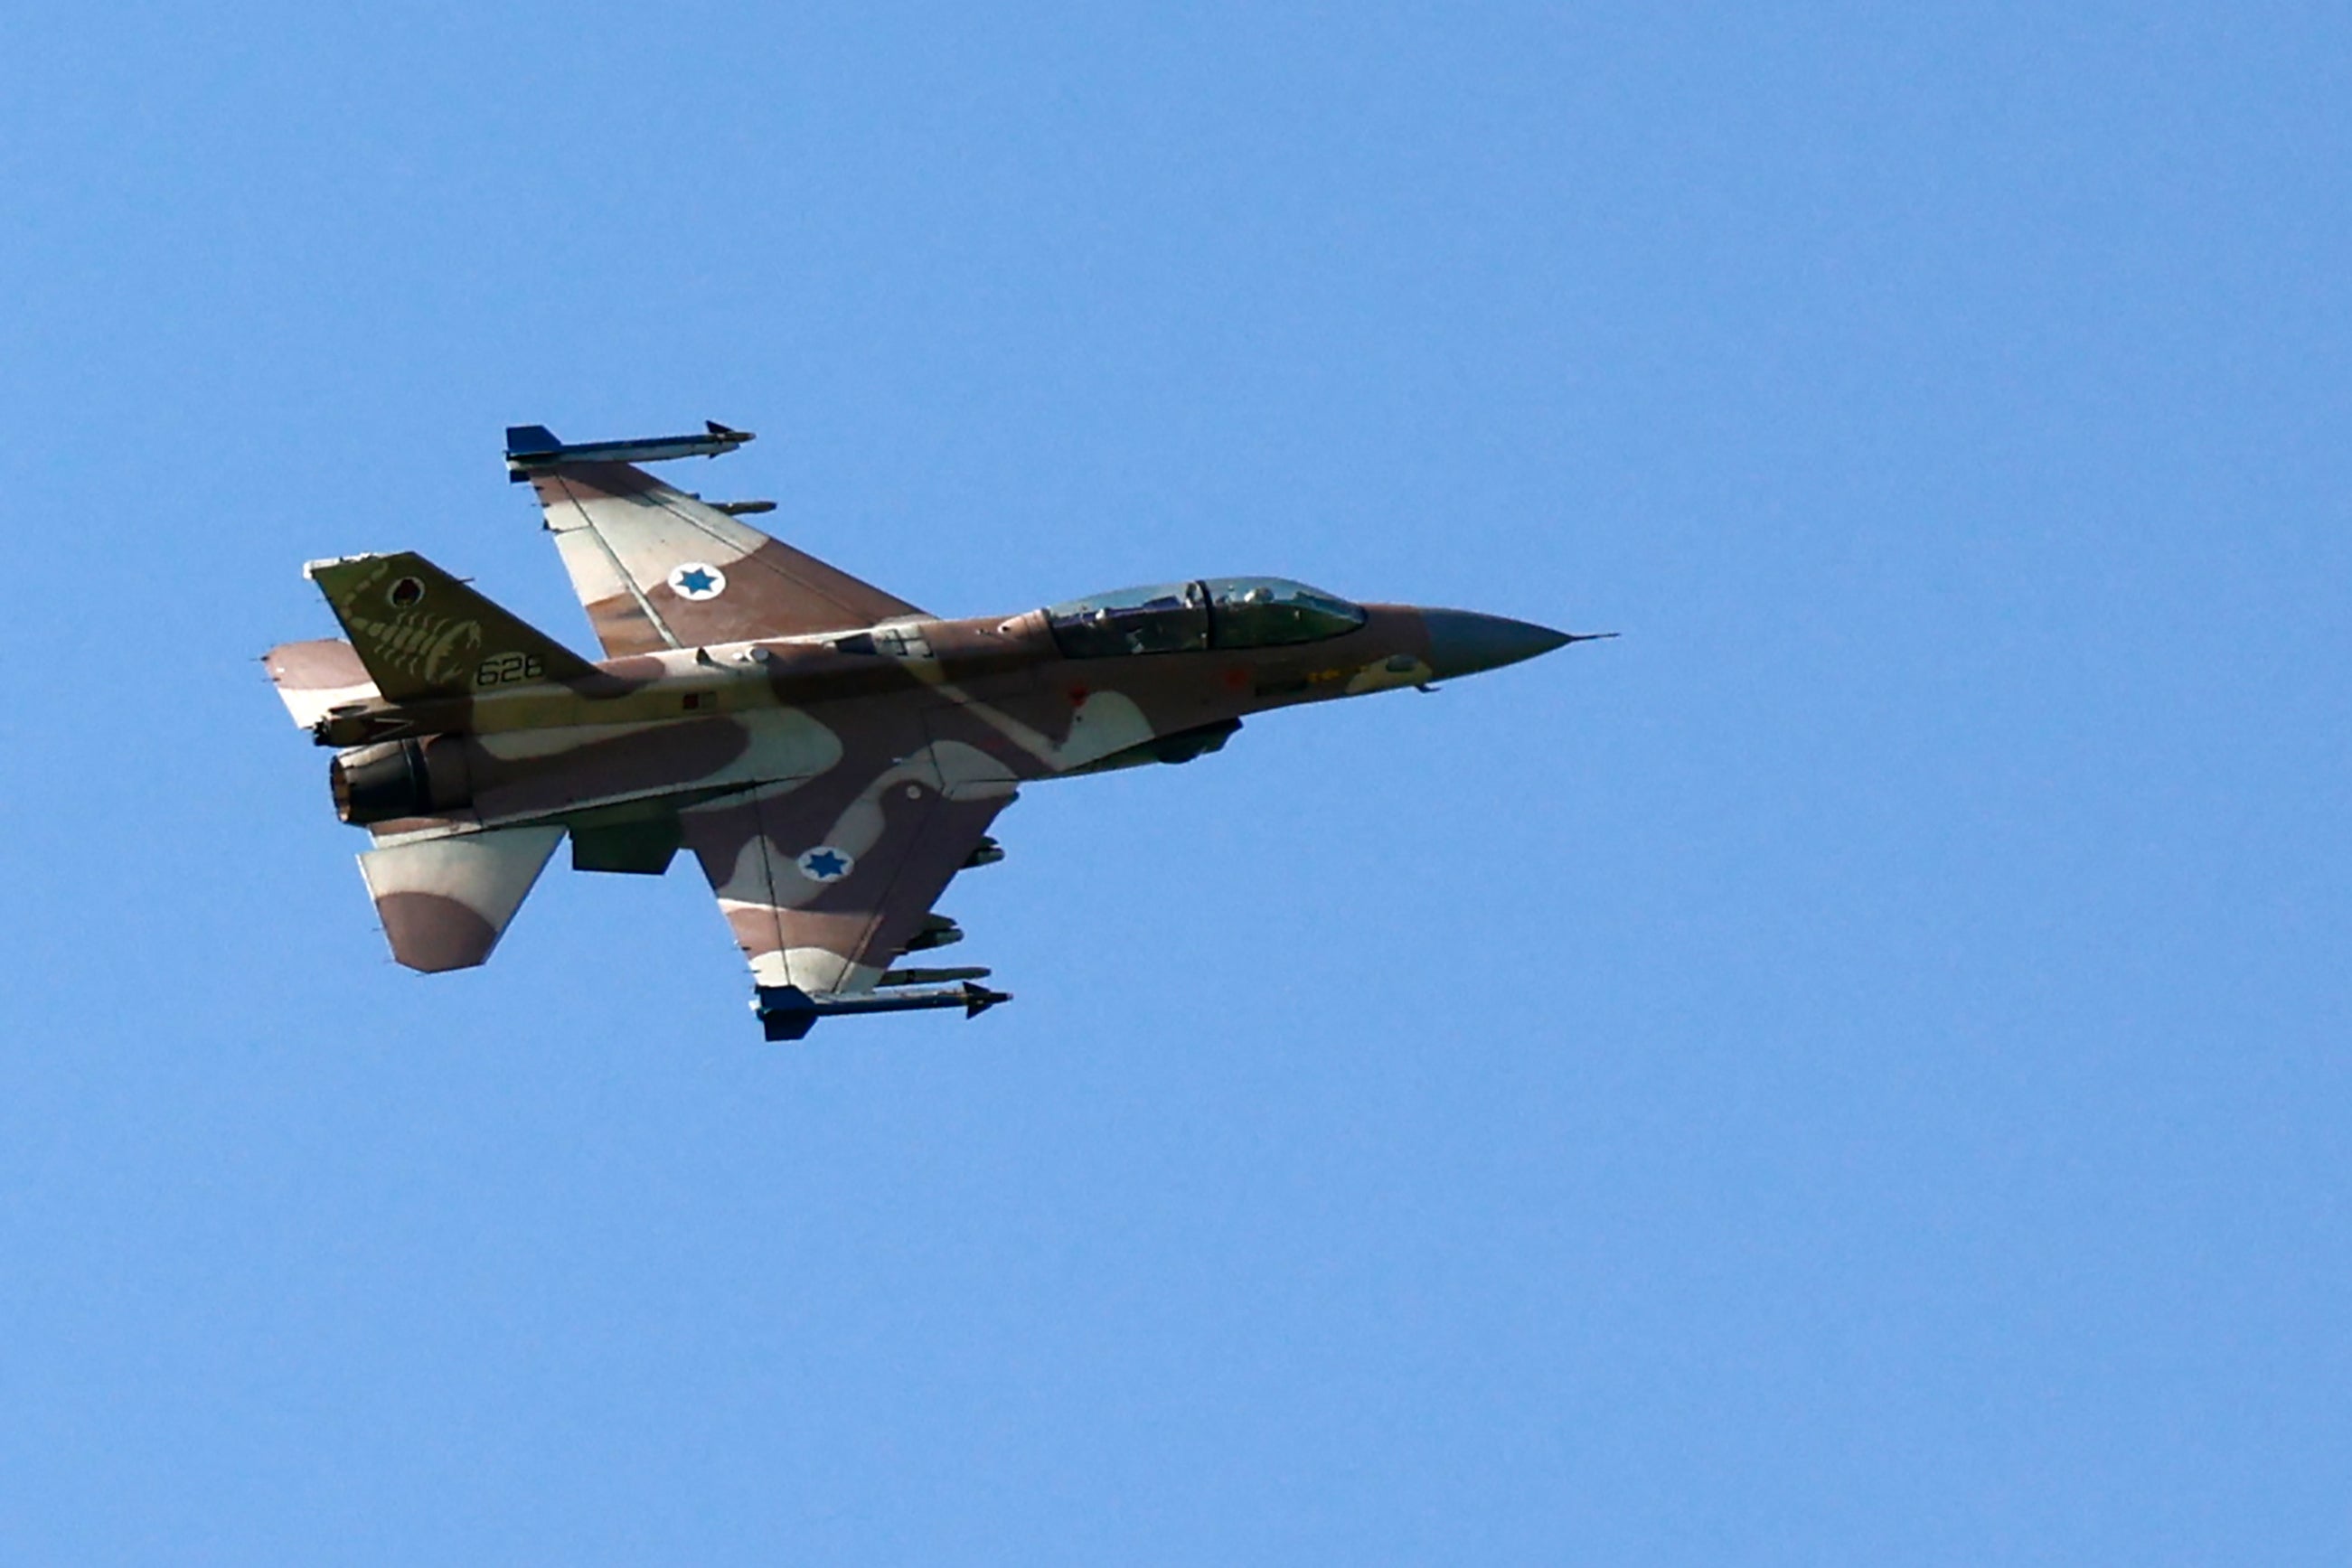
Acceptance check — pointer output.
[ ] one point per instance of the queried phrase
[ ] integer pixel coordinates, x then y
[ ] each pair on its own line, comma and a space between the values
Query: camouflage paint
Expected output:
830, 755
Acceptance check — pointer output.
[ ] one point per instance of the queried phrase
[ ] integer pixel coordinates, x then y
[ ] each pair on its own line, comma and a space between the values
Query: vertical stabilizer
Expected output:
420, 633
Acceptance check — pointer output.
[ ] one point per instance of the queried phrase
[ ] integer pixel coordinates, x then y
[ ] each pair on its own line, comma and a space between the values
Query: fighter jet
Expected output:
831, 755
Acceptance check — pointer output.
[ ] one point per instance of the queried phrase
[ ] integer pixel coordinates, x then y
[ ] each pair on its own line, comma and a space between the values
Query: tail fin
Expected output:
421, 632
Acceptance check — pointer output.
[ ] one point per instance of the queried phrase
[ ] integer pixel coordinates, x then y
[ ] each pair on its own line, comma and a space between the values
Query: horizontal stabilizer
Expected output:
445, 902
533, 448
314, 677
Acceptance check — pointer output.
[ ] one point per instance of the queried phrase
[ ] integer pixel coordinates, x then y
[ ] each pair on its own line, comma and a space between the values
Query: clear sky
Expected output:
1854, 1072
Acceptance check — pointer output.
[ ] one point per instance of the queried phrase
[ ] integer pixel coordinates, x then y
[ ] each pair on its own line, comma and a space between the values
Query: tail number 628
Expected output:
505, 669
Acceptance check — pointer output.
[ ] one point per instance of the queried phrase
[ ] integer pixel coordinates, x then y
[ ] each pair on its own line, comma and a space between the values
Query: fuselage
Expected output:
1035, 695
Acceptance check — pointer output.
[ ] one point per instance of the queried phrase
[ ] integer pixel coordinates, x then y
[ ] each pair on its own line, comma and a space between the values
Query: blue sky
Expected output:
1854, 1072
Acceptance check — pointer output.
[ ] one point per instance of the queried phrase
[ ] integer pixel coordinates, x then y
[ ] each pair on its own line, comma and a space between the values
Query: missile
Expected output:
734, 508
930, 977
787, 1012
938, 931
534, 449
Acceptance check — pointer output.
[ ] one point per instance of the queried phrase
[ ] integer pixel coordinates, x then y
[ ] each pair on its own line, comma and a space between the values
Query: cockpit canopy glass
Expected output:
1265, 612
1170, 619
1186, 617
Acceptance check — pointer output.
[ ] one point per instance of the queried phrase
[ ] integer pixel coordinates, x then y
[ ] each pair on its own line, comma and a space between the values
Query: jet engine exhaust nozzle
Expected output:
399, 779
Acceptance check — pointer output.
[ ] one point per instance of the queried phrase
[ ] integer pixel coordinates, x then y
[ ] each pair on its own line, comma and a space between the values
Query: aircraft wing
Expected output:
655, 567
825, 882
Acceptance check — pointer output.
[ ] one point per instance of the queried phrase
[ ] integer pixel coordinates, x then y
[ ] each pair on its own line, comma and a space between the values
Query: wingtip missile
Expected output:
978, 1000
534, 449
788, 1013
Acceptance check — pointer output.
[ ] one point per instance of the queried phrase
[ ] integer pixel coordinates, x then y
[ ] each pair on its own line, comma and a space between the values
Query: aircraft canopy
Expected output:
1189, 617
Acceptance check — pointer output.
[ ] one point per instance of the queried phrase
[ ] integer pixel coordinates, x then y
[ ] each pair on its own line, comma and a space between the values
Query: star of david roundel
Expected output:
697, 581
826, 863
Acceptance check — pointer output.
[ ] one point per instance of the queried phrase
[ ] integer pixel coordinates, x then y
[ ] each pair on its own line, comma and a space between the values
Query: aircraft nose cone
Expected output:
1462, 643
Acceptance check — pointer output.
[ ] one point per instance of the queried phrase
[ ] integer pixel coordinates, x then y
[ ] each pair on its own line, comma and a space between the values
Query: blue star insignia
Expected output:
696, 581
825, 865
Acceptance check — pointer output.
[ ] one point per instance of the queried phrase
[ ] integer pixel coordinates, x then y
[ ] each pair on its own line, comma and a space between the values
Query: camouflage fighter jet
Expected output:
831, 754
